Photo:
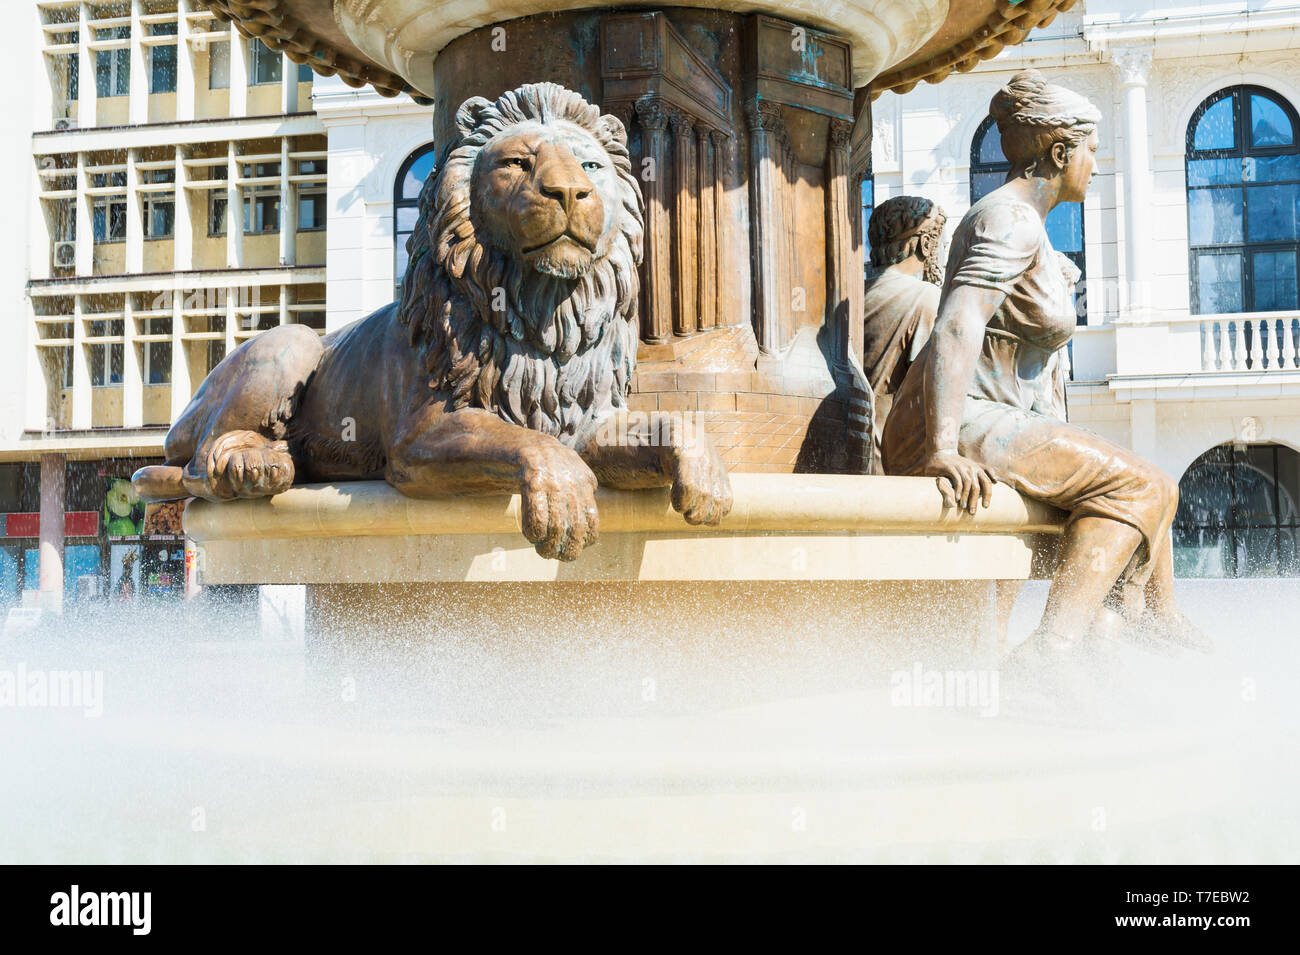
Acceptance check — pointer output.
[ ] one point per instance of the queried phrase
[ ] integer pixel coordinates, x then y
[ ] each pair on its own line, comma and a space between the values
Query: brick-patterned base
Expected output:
782, 419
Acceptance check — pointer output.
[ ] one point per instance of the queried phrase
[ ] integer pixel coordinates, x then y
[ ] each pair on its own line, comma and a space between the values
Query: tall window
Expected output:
406, 200
108, 213
267, 63
219, 65
113, 67
868, 206
1237, 513
162, 61
311, 196
1243, 202
988, 170
159, 207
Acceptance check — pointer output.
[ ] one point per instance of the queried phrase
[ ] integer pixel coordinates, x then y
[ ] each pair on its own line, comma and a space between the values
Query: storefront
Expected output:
115, 548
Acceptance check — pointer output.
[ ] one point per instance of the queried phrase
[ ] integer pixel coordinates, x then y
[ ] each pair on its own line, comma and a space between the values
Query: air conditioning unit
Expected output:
65, 254
65, 123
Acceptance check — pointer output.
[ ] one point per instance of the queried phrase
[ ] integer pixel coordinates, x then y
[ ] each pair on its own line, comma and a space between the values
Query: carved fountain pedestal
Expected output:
870, 564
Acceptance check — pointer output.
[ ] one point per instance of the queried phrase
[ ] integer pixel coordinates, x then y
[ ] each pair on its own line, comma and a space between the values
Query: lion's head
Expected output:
522, 287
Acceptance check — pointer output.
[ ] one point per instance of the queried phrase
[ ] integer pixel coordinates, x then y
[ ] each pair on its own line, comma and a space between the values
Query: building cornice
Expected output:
178, 281
182, 133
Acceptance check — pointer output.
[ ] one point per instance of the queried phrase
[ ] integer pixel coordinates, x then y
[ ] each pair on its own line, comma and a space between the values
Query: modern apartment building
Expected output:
1188, 348
169, 201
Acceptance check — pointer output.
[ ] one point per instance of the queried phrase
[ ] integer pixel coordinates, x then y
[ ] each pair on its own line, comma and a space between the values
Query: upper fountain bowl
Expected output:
392, 44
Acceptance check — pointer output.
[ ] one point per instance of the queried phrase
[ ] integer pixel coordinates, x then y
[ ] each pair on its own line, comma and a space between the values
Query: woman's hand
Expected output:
962, 482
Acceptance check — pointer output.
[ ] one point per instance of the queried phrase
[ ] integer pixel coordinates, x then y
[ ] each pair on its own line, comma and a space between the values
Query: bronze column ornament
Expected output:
719, 139
534, 406
656, 295
708, 232
685, 272
860, 408
844, 296
765, 125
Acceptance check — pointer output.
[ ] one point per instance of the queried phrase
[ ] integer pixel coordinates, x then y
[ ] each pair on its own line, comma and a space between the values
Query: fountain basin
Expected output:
798, 551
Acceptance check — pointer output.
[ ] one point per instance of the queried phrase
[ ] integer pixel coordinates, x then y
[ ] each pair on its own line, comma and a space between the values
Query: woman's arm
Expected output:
950, 365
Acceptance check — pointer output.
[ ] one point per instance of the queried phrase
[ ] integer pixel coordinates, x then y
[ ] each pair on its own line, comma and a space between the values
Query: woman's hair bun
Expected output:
1018, 98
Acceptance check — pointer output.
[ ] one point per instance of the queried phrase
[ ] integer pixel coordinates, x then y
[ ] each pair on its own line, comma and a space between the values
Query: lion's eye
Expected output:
591, 165
519, 162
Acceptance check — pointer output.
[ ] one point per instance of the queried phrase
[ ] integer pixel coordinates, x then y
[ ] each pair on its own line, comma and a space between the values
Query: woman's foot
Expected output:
1172, 629
1052, 665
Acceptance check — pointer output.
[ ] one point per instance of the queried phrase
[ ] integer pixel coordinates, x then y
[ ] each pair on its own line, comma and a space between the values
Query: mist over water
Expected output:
660, 741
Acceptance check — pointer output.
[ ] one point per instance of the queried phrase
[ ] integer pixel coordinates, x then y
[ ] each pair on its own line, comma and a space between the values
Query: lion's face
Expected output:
547, 194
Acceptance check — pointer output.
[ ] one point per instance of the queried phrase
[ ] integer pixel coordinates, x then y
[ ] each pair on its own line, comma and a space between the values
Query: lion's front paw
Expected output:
701, 489
243, 464
559, 501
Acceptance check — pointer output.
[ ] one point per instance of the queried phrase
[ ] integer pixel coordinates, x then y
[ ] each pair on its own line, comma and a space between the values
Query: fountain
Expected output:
772, 650
747, 135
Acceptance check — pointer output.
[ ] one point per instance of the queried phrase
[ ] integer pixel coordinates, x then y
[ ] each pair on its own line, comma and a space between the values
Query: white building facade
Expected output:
1188, 349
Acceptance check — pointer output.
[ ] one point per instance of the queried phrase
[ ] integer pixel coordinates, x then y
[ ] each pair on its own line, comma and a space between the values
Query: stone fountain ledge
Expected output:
782, 527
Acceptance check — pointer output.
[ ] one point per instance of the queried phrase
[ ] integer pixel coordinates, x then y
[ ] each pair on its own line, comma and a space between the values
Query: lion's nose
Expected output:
560, 177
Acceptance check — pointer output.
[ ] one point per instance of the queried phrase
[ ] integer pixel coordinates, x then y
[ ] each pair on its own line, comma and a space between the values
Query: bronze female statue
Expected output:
978, 405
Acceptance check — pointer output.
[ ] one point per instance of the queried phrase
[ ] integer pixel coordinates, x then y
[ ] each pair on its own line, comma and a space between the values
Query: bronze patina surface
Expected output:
980, 403
902, 295
504, 367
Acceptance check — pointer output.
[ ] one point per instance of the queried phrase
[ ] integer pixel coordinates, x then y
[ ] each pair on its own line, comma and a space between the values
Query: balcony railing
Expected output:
1262, 341
1180, 344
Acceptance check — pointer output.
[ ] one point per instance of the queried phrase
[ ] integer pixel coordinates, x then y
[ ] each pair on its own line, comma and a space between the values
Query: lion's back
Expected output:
349, 410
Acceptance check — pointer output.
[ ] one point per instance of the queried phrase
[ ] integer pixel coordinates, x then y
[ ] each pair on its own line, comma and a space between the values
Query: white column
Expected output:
345, 237
238, 74
1143, 431
285, 315
232, 319
132, 374
185, 79
87, 92
138, 108
50, 573
47, 99
288, 208
134, 217
85, 221
1134, 64
288, 84
234, 208
36, 413
183, 232
180, 360
81, 396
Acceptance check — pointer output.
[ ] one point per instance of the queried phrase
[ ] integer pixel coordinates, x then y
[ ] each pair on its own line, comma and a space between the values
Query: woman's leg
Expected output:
1094, 552
1162, 618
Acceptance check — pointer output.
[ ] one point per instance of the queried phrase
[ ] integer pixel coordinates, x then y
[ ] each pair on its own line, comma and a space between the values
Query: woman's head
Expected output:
907, 226
1043, 127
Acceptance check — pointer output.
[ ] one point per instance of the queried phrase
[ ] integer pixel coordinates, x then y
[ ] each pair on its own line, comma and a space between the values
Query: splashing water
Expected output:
502, 746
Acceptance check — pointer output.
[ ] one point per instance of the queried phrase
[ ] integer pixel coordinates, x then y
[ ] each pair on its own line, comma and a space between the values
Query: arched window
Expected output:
406, 201
1243, 202
988, 170
1239, 513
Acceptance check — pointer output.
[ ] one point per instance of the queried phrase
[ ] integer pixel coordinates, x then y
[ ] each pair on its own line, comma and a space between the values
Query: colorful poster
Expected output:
123, 510
124, 572
164, 519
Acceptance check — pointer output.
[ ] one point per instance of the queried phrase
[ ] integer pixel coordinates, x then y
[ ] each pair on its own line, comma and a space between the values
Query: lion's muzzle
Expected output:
565, 216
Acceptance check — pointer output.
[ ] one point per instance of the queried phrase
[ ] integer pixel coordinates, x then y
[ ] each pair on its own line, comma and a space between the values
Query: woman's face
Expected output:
1078, 171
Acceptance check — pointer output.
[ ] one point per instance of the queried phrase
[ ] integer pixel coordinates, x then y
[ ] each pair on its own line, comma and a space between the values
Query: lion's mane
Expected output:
543, 352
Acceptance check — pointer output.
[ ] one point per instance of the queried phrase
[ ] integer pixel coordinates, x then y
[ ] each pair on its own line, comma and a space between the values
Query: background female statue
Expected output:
979, 404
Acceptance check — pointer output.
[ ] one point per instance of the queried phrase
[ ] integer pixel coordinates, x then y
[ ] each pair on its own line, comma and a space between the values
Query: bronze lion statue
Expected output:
504, 367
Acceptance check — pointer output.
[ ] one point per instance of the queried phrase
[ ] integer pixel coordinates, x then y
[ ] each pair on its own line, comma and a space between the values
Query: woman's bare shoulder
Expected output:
1004, 220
